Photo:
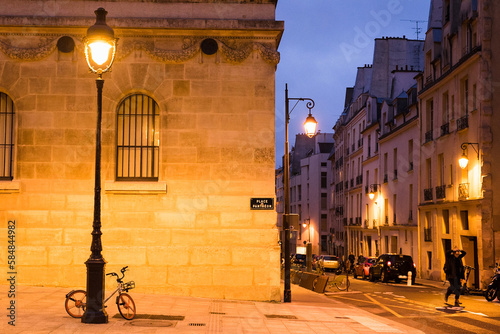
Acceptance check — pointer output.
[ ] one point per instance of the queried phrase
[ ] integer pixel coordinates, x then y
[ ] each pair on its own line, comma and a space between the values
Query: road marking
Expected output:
463, 325
476, 313
384, 307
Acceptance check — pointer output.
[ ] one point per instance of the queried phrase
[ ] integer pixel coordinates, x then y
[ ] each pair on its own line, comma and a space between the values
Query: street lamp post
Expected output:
310, 126
100, 48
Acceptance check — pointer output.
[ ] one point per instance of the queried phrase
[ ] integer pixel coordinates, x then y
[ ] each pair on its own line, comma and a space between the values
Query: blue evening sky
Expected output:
323, 44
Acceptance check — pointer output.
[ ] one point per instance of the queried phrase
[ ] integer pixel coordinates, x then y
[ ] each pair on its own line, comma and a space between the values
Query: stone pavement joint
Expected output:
41, 310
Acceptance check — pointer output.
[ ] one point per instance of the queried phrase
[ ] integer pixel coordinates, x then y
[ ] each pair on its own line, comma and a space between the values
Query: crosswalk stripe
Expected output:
465, 326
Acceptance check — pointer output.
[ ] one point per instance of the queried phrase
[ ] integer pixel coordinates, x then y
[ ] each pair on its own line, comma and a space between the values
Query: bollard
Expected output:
408, 282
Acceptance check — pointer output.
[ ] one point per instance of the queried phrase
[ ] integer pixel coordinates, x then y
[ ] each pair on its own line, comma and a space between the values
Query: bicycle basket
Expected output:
129, 285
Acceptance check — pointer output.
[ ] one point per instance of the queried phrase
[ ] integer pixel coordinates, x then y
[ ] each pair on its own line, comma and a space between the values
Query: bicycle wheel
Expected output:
75, 303
126, 306
343, 284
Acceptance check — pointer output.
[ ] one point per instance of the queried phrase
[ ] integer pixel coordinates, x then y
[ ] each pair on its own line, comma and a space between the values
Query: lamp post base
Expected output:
95, 312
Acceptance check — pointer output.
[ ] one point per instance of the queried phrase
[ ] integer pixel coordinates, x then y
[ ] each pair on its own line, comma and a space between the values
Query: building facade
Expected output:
456, 93
309, 195
376, 187
187, 142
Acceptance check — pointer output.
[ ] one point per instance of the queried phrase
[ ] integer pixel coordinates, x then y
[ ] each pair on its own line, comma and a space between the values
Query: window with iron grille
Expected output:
138, 139
6, 137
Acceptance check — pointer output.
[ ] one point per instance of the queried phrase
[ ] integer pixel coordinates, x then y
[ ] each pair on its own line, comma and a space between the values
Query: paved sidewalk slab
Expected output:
41, 310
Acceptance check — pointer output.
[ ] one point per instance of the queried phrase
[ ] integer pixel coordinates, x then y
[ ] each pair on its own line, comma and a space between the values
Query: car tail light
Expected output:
388, 263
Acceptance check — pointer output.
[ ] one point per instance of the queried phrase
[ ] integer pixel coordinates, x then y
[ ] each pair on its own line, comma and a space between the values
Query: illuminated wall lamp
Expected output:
464, 160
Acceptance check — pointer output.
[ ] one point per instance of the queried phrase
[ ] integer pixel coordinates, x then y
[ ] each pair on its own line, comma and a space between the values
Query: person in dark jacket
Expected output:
455, 273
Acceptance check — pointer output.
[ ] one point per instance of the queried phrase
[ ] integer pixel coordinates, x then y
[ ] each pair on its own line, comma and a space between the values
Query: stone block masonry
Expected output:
191, 232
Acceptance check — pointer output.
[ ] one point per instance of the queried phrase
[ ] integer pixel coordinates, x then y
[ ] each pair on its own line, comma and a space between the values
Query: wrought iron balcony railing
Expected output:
428, 194
440, 192
463, 191
463, 122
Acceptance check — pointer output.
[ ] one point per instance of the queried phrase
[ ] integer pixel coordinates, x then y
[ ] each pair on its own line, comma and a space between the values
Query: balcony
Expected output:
352, 182
353, 147
395, 174
428, 194
428, 136
346, 185
463, 123
350, 221
463, 191
386, 178
386, 221
445, 129
366, 190
441, 192
360, 142
347, 151
359, 179
427, 234
344, 221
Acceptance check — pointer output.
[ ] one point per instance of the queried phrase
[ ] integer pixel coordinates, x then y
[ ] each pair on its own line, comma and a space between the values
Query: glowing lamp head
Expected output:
463, 161
99, 52
304, 225
371, 195
310, 125
100, 44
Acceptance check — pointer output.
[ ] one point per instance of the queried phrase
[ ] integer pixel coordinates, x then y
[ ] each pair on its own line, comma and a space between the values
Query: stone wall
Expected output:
190, 233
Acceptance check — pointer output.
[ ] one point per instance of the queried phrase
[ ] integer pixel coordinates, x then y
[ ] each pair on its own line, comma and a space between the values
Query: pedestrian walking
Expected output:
455, 273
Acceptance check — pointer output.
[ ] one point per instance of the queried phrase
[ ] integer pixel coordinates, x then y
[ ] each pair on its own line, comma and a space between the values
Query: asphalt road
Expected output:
422, 306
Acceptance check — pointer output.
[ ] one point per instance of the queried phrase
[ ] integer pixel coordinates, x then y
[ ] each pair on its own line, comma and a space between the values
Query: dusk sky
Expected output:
323, 44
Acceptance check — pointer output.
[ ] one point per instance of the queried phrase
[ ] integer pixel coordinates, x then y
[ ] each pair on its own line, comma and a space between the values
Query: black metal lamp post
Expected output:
310, 126
100, 49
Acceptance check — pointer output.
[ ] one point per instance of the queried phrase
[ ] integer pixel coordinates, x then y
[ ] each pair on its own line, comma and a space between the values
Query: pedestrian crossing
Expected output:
425, 316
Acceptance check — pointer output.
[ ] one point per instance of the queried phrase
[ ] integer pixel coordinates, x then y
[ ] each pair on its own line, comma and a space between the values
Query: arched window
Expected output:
6, 137
138, 139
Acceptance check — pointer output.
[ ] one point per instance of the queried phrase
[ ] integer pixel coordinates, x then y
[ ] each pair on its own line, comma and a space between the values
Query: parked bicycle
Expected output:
76, 300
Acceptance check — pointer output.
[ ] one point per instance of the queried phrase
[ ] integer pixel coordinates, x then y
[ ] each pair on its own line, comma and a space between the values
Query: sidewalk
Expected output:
41, 310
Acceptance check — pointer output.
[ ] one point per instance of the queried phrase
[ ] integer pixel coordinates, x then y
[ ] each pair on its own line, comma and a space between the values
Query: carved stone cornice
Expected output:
232, 50
44, 49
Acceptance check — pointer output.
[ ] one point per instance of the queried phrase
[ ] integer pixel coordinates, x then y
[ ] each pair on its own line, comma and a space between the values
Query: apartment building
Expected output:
458, 118
310, 169
379, 108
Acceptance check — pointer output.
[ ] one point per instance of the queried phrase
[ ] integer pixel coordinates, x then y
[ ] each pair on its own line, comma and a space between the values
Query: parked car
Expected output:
299, 259
392, 267
362, 268
328, 262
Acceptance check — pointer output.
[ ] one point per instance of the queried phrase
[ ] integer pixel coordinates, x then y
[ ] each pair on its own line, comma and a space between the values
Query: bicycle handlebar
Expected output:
123, 270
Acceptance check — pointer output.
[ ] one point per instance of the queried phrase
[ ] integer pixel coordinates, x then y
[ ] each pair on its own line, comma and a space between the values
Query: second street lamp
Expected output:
100, 48
310, 125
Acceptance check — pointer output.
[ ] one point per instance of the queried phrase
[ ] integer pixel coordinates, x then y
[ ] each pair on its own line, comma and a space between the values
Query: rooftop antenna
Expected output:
417, 28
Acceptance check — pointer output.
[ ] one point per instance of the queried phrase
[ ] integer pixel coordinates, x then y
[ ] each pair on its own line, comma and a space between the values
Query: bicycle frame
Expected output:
118, 289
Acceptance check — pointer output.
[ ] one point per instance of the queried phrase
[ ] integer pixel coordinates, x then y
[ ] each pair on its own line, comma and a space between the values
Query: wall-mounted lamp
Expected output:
306, 223
464, 160
373, 189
